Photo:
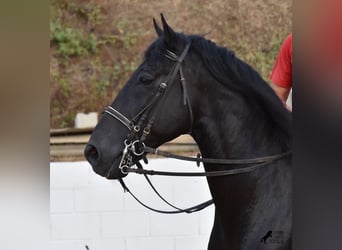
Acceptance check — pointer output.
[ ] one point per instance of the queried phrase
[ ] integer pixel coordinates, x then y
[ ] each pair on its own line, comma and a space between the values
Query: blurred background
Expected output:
95, 45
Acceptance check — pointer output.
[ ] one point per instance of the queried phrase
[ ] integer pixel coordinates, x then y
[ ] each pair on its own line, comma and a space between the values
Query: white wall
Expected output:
87, 209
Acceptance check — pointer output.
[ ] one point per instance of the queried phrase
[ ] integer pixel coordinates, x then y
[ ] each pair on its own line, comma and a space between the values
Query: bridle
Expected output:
140, 125
134, 146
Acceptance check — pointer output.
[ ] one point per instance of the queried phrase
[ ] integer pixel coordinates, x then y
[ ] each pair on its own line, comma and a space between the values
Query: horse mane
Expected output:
235, 74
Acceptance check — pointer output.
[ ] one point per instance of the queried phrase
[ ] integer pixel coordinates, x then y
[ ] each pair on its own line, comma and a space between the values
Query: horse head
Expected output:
152, 108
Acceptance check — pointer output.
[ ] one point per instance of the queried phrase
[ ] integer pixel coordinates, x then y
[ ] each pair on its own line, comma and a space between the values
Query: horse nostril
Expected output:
91, 154
93, 151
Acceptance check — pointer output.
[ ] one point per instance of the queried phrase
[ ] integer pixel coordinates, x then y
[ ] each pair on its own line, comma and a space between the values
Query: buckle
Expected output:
138, 148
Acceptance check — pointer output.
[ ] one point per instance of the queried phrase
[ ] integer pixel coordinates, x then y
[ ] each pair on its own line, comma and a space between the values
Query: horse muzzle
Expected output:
108, 168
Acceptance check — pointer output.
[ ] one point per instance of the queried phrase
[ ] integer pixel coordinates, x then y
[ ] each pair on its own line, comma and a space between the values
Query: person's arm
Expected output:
281, 75
282, 93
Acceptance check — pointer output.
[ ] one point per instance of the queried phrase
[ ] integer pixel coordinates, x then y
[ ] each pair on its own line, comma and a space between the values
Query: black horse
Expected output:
187, 84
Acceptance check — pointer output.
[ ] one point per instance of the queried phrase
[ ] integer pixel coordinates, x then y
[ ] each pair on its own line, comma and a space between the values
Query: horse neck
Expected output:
229, 126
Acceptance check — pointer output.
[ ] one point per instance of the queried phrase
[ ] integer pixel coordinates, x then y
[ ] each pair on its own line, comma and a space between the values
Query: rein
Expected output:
177, 209
258, 162
199, 159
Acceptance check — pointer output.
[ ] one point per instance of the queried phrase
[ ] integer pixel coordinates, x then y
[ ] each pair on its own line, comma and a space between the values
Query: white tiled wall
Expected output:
88, 210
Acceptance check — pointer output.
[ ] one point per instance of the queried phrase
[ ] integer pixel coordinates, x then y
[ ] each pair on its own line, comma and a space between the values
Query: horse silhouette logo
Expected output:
268, 235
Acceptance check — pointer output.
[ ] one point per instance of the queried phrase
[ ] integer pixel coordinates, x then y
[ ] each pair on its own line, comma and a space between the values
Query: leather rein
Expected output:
135, 147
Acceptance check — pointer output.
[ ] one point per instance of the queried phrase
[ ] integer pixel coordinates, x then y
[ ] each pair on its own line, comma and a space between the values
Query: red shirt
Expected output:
281, 74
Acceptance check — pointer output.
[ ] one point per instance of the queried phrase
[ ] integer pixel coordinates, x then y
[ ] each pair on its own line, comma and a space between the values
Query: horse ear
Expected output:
169, 34
157, 28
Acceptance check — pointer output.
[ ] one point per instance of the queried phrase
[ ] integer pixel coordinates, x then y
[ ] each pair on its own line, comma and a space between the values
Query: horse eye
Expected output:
146, 79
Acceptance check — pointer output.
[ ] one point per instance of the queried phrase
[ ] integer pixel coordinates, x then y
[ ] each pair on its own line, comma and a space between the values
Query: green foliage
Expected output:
123, 69
67, 120
88, 11
71, 42
263, 59
128, 38
65, 87
122, 38
101, 88
108, 39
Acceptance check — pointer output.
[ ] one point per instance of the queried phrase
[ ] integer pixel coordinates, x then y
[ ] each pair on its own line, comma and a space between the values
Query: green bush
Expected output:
71, 42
